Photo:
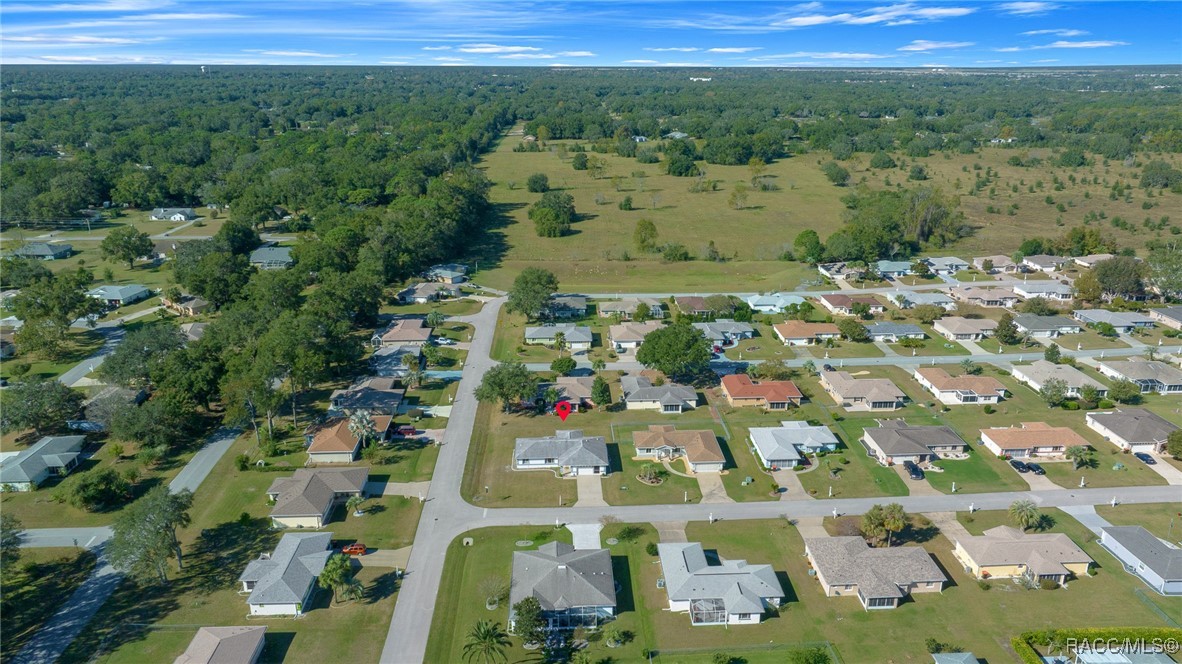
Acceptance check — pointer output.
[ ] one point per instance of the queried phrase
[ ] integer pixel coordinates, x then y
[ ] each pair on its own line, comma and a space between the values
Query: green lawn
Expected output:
933, 344
456, 307
1103, 472
982, 472
35, 587
509, 340
862, 477
489, 477
80, 345
1089, 340
1161, 519
843, 349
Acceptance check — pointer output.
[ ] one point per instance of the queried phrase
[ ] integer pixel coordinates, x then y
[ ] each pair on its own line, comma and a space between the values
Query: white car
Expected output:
444, 341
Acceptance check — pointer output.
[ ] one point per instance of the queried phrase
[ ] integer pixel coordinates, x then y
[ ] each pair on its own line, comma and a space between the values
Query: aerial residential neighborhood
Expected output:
654, 332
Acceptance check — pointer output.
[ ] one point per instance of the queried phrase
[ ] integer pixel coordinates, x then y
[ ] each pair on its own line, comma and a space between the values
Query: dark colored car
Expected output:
406, 430
1019, 466
1148, 460
827, 367
1036, 469
913, 471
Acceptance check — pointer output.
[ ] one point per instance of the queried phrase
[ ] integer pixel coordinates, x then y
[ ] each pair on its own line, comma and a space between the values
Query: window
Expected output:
880, 602
744, 616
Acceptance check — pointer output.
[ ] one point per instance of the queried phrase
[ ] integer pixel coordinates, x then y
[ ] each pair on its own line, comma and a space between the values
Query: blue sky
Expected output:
718, 33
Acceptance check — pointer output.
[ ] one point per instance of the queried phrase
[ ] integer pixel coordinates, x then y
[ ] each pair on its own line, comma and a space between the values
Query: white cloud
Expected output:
1009, 49
734, 49
74, 39
1046, 60
436, 48
296, 54
1026, 8
819, 55
495, 48
105, 6
1083, 44
683, 49
906, 13
1058, 32
449, 59
926, 45
527, 56
936, 66
576, 54
640, 62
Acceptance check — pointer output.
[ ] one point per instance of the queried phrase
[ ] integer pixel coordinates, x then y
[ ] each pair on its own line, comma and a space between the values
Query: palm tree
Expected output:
559, 342
354, 504
362, 427
550, 396
598, 365
337, 573
1025, 514
434, 319
486, 643
894, 520
352, 589
414, 376
1080, 455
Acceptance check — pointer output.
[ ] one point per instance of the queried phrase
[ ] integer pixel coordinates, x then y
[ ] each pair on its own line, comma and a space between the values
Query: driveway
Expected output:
710, 484
585, 535
670, 531
395, 558
408, 489
1172, 475
1086, 514
948, 525
790, 486
916, 487
1038, 482
811, 526
590, 491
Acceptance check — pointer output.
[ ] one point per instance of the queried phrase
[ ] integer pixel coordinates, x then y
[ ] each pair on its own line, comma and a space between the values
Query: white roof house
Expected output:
946, 265
576, 337
1037, 373
1048, 290
118, 296
568, 450
1156, 562
773, 303
729, 592
956, 327
784, 446
1150, 376
1123, 321
911, 299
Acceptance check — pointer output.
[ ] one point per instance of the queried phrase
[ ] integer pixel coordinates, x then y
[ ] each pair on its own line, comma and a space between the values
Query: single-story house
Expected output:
1047, 290
1037, 373
306, 499
576, 337
628, 336
999, 263
575, 587
800, 333
282, 582
566, 306
639, 393
403, 332
1044, 263
1157, 562
626, 308
957, 328
1030, 439
194, 331
118, 296
1170, 317
912, 299
862, 393
892, 269
773, 303
785, 446
955, 657
448, 273
52, 456
427, 291
719, 592
378, 395
895, 441
1005, 552
45, 251
986, 297
1123, 321
724, 331
693, 305
1151, 376
224, 645
1047, 327
893, 332
840, 270
172, 214
569, 451
842, 304
271, 258
187, 305
959, 390
162, 249
740, 391
391, 360
879, 577
1132, 429
575, 390
663, 442
333, 442
1090, 260
946, 265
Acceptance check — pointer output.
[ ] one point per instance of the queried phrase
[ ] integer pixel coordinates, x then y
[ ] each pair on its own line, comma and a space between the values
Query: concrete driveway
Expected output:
590, 491
670, 531
1037, 482
916, 487
790, 486
710, 484
1172, 475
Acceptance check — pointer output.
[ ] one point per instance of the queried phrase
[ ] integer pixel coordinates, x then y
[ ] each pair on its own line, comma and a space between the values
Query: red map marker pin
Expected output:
563, 409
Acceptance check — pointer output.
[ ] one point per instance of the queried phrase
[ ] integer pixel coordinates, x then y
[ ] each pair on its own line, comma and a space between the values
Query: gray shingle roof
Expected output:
122, 293
777, 301
724, 329
1032, 322
168, 212
1136, 425
1044, 553
876, 572
1114, 318
1040, 371
310, 491
562, 577
888, 328
639, 388
954, 658
1165, 561
387, 361
1142, 370
895, 437
286, 575
571, 332
916, 299
377, 394
42, 249
224, 645
567, 447
784, 442
271, 256
741, 587
49, 452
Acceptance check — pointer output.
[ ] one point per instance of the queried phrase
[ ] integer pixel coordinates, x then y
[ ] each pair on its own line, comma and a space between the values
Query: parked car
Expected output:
444, 341
354, 549
1019, 466
406, 430
1148, 460
1036, 469
827, 367
913, 471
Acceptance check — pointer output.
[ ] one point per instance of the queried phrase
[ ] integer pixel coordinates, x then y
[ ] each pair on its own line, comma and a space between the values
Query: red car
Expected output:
406, 430
354, 549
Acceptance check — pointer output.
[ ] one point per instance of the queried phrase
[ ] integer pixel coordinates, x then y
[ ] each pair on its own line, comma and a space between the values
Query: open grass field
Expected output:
456, 307
599, 256
205, 224
35, 587
80, 345
1089, 340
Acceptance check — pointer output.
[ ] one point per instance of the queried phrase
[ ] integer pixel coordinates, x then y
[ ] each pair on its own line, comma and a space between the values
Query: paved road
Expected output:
446, 515
60, 537
114, 336
202, 463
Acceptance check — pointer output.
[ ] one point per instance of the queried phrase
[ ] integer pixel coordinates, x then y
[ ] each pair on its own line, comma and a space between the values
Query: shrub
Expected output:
1048, 584
988, 409
983, 584
538, 183
242, 462
651, 548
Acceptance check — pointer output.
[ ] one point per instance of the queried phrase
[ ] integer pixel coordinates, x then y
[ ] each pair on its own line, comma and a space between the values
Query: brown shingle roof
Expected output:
941, 380
1033, 434
797, 329
740, 386
701, 446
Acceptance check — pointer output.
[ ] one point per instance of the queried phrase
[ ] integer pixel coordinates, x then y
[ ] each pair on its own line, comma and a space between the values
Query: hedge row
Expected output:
1022, 643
